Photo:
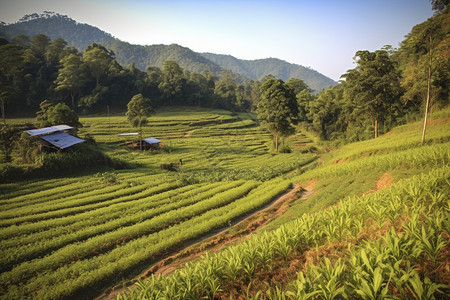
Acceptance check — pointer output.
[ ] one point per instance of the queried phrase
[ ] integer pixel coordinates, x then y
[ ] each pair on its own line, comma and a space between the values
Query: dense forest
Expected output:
43, 69
82, 35
387, 87
257, 69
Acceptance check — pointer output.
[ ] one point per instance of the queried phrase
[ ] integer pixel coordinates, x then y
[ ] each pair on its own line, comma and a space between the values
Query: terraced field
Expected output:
72, 237
376, 226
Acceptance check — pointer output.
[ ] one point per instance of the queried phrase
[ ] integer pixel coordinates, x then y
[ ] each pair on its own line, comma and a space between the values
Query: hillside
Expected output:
257, 69
373, 209
371, 221
55, 26
156, 55
81, 35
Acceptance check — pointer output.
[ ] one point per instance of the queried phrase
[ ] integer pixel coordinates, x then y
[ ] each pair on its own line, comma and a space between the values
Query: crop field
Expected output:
73, 236
352, 238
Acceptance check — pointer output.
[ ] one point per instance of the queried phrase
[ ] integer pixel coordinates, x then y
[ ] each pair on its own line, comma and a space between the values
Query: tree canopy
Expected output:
139, 108
277, 110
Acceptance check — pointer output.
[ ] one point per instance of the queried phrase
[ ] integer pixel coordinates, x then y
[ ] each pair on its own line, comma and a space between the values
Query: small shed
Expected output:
56, 136
147, 143
151, 144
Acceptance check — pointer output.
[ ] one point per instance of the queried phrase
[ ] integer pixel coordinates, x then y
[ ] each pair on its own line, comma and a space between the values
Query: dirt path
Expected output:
214, 242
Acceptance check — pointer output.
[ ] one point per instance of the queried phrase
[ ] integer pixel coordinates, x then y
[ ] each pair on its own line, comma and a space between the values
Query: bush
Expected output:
284, 149
10, 173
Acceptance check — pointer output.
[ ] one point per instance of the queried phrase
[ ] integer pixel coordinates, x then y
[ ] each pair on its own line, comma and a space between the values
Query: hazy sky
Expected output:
323, 35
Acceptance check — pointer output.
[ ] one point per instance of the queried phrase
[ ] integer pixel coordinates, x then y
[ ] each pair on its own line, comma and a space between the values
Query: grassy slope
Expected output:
79, 234
387, 235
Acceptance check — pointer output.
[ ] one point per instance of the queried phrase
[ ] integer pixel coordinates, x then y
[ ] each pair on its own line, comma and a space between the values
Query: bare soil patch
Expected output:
384, 181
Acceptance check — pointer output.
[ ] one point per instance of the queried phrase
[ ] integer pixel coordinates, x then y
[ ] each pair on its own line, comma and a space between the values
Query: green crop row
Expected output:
91, 203
426, 156
76, 251
401, 138
65, 281
368, 271
116, 217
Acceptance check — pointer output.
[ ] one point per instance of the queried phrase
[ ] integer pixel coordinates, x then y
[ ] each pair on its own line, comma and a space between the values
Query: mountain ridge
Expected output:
81, 35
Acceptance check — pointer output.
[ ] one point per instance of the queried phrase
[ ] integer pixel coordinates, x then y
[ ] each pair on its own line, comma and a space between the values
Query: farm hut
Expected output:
147, 144
151, 144
56, 136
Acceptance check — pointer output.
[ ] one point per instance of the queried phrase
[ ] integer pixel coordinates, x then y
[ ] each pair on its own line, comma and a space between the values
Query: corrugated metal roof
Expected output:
48, 129
131, 133
62, 140
152, 141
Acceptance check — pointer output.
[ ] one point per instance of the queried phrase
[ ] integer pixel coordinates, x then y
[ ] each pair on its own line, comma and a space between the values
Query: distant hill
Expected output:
81, 35
156, 55
55, 26
257, 69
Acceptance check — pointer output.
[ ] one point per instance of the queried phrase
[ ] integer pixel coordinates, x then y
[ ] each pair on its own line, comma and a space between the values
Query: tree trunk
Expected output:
428, 94
140, 138
3, 112
276, 142
73, 101
376, 128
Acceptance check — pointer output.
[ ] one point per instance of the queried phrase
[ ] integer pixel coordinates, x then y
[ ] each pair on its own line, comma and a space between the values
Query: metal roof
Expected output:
152, 141
48, 129
126, 134
62, 140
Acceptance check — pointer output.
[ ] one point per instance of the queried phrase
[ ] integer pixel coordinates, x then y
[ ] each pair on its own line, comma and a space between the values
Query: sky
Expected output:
322, 35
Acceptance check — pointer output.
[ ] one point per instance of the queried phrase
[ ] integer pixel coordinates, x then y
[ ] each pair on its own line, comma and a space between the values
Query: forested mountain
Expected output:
257, 69
80, 36
156, 55
55, 26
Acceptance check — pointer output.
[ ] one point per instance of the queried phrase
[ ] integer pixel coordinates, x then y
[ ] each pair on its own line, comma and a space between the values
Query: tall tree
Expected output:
278, 109
71, 77
303, 94
172, 82
374, 86
98, 60
55, 51
439, 5
11, 62
139, 108
42, 115
225, 92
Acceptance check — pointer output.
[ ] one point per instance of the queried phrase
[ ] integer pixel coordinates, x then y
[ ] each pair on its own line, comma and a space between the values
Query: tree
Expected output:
139, 108
439, 5
71, 77
50, 115
42, 115
172, 82
11, 62
98, 59
374, 86
62, 114
225, 91
55, 51
303, 94
8, 136
277, 110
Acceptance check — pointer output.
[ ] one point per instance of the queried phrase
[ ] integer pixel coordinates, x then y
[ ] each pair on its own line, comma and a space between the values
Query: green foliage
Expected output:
59, 114
278, 109
257, 69
373, 87
78, 236
28, 149
107, 178
8, 135
62, 114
